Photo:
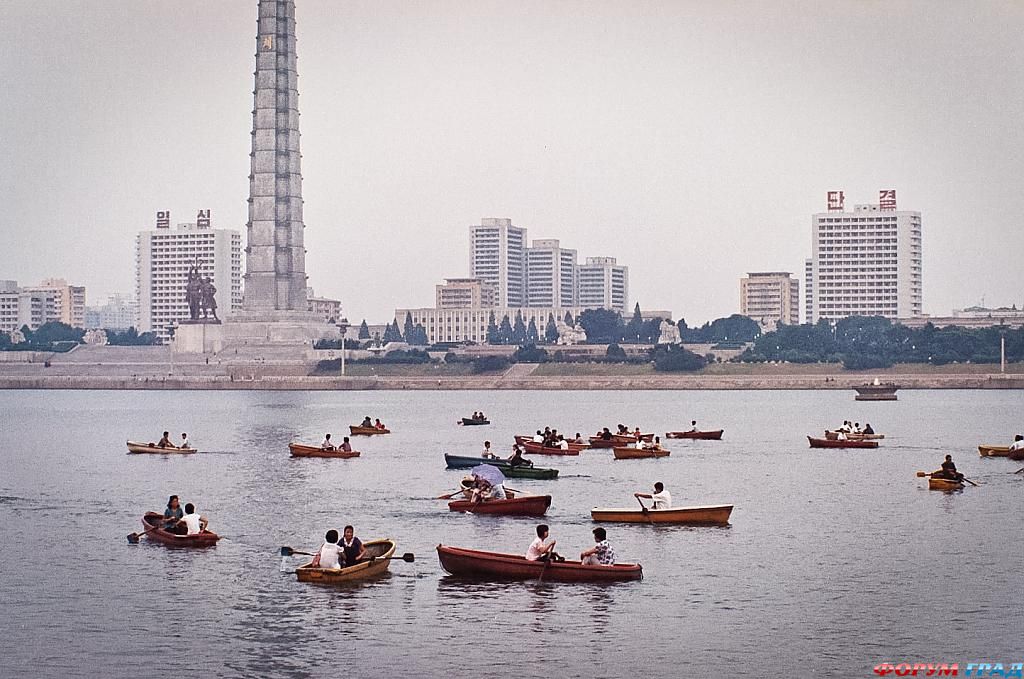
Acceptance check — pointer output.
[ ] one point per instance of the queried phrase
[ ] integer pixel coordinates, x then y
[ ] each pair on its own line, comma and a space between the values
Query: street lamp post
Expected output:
171, 327
343, 326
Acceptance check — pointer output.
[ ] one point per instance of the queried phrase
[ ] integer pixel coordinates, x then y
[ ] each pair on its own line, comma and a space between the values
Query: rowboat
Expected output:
473, 563
826, 443
944, 484
366, 431
617, 440
994, 451
713, 515
704, 435
469, 421
299, 450
540, 449
517, 472
853, 436
876, 392
134, 447
378, 558
520, 505
205, 539
630, 453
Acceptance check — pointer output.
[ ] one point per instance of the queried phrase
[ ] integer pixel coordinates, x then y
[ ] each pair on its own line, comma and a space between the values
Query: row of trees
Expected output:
861, 343
57, 336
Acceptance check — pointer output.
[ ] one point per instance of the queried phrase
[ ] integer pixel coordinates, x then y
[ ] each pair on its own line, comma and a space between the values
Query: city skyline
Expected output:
639, 132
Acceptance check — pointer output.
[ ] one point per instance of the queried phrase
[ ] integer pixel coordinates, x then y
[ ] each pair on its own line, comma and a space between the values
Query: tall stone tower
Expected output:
275, 259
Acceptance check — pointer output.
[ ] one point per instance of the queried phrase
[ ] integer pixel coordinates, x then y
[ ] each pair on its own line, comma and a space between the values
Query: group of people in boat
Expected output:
478, 416
328, 444
165, 442
543, 549
183, 522
516, 459
621, 430
853, 428
552, 438
339, 552
375, 424
483, 490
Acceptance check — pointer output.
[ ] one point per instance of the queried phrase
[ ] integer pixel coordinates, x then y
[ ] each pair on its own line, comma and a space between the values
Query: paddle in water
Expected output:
408, 557
133, 538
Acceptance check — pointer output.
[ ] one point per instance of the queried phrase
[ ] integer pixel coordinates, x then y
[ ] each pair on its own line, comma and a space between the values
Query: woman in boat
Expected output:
378, 424
327, 445
540, 549
579, 439
656, 445
601, 554
330, 555
173, 513
867, 429
517, 459
345, 445
662, 499
352, 546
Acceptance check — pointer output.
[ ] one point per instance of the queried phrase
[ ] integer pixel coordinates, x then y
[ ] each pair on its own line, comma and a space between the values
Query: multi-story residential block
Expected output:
69, 300
770, 298
602, 284
162, 262
23, 307
324, 307
497, 256
119, 312
465, 293
550, 274
865, 262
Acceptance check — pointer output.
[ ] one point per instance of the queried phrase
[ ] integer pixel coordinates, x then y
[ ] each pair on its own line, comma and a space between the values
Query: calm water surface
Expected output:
835, 560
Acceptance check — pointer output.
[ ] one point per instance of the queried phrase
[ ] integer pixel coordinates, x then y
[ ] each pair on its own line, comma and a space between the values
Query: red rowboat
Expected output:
299, 450
204, 539
631, 453
704, 435
538, 449
472, 563
521, 505
827, 443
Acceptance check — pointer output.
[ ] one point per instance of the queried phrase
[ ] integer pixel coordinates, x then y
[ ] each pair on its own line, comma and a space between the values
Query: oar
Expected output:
964, 478
544, 567
969, 481
1019, 470
408, 557
133, 538
451, 495
288, 551
646, 511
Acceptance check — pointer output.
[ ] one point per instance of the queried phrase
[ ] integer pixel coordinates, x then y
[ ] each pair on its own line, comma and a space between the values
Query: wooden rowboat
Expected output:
472, 563
853, 436
618, 440
517, 472
366, 431
707, 515
150, 519
300, 450
470, 422
826, 443
539, 449
134, 447
704, 435
378, 553
520, 505
994, 451
944, 484
630, 453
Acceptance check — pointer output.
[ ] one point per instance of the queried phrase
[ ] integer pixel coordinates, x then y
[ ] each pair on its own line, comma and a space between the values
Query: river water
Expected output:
834, 560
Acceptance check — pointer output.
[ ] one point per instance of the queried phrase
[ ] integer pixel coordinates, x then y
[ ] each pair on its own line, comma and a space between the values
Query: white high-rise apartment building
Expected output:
162, 260
770, 298
497, 256
602, 284
550, 274
865, 262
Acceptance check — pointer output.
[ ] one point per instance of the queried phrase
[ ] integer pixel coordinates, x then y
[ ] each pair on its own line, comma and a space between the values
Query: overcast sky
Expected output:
692, 140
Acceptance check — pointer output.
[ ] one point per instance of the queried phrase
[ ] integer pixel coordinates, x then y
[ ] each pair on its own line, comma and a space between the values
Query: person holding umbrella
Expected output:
490, 483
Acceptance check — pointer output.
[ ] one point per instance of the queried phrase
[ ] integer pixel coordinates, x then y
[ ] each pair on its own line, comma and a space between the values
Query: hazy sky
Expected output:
693, 140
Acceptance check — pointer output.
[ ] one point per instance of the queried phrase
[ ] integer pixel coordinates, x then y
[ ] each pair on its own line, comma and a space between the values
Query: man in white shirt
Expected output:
540, 549
328, 554
488, 453
662, 499
184, 441
327, 444
538, 437
1018, 443
193, 521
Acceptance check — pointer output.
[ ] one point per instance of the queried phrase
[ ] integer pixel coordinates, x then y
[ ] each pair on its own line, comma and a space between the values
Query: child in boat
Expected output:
601, 554
330, 555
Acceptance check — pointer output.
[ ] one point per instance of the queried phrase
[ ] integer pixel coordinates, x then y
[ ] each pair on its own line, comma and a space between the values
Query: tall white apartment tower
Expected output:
865, 262
497, 255
162, 260
550, 274
601, 283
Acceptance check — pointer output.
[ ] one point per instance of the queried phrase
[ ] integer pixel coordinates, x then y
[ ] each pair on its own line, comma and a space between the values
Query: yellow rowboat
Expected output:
944, 484
994, 451
378, 553
134, 447
707, 515
630, 453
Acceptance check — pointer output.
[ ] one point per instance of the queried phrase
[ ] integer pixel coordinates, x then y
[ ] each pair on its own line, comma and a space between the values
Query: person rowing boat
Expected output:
948, 471
517, 459
540, 549
165, 441
662, 499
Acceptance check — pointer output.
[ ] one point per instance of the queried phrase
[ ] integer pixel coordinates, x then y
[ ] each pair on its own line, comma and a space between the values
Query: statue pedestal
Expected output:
198, 337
